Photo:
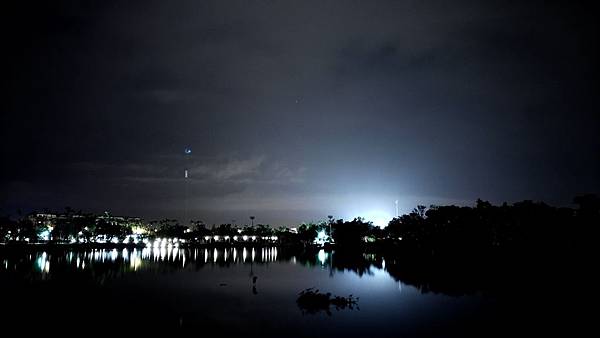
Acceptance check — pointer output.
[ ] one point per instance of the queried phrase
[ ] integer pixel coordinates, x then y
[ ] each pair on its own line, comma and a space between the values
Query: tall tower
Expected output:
188, 154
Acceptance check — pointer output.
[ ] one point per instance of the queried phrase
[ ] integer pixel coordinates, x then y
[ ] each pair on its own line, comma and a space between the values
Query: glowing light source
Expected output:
379, 218
322, 237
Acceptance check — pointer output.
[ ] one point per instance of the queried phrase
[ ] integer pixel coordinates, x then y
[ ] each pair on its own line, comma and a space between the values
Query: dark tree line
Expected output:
527, 225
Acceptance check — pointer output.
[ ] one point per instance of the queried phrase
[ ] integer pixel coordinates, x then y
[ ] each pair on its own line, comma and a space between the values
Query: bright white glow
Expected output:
245, 238
235, 238
322, 256
216, 237
45, 235
379, 218
322, 237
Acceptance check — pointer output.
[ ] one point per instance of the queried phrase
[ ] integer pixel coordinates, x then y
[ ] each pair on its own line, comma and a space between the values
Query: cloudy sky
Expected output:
295, 110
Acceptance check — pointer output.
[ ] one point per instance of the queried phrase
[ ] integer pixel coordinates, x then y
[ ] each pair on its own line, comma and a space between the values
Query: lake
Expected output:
215, 290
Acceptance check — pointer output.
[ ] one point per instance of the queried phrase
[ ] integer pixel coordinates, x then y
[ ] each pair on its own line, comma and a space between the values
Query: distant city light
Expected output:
322, 238
379, 218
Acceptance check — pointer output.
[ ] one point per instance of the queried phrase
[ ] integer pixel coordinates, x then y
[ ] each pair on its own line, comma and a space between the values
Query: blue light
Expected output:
188, 151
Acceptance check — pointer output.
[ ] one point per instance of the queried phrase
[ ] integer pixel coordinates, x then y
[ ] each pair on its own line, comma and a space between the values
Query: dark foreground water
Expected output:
213, 290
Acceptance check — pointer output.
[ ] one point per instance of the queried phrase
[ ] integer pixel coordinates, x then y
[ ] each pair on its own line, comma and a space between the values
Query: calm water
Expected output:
213, 289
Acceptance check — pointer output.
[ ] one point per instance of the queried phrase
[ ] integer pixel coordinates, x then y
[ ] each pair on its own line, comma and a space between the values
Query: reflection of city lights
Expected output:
113, 255
134, 259
322, 256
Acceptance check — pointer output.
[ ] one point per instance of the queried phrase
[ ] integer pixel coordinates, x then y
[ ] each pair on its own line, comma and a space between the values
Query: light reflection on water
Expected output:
227, 290
137, 258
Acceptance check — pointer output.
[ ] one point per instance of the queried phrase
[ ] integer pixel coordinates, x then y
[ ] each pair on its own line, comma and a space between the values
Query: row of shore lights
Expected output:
174, 242
164, 242
237, 238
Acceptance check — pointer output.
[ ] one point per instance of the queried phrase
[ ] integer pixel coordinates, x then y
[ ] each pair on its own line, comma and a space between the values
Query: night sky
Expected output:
296, 110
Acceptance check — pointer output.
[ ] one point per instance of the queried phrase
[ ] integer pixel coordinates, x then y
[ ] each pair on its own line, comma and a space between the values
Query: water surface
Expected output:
214, 289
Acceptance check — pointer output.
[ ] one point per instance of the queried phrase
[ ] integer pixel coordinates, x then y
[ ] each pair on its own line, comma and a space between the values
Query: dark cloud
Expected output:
296, 110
